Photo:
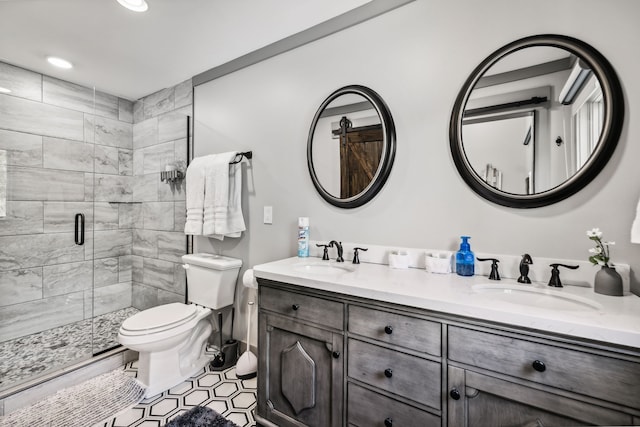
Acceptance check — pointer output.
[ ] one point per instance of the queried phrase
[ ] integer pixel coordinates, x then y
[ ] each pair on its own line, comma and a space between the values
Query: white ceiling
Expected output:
131, 54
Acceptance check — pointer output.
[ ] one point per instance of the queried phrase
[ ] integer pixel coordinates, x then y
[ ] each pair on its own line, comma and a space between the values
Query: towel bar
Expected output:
245, 154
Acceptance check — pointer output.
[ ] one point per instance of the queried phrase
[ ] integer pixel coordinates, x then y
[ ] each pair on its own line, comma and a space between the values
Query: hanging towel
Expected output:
228, 220
195, 178
222, 198
635, 228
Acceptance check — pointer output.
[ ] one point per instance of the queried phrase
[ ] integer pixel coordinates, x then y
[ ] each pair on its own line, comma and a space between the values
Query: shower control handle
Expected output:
295, 307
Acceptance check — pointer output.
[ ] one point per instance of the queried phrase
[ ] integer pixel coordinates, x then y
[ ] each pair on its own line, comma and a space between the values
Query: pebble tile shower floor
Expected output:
35, 354
221, 391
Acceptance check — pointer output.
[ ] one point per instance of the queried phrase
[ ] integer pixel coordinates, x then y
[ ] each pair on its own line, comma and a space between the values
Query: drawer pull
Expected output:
295, 307
454, 393
388, 373
388, 330
388, 422
539, 365
336, 354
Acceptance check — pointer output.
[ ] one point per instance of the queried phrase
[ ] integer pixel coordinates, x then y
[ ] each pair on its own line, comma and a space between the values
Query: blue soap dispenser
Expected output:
465, 259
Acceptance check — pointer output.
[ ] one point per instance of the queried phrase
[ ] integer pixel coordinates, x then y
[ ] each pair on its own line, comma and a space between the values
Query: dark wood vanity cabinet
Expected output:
334, 360
394, 368
477, 399
300, 363
512, 379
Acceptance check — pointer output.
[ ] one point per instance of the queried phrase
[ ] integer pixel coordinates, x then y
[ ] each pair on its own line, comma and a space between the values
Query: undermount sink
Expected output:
526, 295
323, 267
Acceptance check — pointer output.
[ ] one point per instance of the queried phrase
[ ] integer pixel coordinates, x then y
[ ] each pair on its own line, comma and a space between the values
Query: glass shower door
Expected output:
115, 214
46, 242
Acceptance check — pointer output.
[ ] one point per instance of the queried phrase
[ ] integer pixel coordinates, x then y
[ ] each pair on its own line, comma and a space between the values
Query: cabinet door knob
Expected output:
454, 393
295, 307
388, 373
388, 329
336, 354
388, 422
539, 365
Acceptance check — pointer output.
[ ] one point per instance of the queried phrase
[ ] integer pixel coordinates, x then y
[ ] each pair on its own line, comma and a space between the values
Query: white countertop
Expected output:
614, 320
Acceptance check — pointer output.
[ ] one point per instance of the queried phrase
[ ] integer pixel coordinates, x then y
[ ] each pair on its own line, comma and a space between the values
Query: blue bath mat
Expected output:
200, 416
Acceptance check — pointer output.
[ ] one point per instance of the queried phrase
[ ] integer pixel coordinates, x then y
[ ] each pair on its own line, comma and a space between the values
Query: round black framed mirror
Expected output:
536, 121
351, 146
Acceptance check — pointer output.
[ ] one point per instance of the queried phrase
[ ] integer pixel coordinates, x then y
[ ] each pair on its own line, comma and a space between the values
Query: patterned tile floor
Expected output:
33, 355
221, 391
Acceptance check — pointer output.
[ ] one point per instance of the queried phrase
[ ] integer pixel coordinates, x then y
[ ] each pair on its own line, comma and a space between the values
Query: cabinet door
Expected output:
480, 400
300, 370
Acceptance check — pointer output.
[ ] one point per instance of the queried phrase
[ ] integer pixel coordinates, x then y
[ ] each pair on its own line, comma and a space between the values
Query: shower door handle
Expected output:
79, 233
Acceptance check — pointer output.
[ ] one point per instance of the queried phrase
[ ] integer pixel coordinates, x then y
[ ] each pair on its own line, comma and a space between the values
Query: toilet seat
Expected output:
158, 319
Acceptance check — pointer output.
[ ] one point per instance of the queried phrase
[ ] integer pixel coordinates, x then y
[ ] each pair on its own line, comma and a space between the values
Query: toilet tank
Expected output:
211, 279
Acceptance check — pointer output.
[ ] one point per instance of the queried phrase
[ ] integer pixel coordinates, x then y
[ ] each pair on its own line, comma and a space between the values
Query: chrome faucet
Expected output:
338, 246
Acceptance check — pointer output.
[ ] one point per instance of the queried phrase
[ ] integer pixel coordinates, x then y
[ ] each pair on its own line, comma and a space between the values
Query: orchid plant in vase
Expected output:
607, 280
600, 254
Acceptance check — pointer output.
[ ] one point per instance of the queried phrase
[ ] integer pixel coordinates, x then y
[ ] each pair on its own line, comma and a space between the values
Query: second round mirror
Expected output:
536, 121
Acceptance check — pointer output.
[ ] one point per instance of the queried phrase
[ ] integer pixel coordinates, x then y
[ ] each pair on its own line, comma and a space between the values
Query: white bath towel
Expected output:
195, 178
635, 228
222, 210
228, 220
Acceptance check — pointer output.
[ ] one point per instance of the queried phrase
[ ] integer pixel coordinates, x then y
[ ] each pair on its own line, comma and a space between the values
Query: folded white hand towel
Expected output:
216, 192
635, 228
194, 192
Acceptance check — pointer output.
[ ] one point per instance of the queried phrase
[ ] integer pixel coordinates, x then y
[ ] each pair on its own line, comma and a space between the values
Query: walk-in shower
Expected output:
88, 234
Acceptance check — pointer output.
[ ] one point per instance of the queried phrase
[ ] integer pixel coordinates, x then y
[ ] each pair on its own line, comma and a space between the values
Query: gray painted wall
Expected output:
417, 58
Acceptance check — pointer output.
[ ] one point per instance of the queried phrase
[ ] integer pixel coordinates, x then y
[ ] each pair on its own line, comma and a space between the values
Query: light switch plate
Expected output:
268, 215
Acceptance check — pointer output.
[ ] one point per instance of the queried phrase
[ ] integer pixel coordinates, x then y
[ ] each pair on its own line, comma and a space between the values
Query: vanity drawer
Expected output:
594, 375
399, 373
366, 408
397, 329
303, 307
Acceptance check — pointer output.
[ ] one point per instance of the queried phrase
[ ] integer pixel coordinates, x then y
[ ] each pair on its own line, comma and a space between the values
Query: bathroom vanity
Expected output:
366, 345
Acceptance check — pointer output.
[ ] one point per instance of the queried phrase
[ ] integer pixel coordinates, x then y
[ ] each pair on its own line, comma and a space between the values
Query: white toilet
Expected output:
172, 338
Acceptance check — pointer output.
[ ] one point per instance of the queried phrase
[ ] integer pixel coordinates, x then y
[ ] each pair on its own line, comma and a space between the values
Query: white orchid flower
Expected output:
595, 232
601, 253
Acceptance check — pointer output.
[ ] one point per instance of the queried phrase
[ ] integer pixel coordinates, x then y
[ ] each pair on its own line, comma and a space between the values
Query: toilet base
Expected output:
161, 370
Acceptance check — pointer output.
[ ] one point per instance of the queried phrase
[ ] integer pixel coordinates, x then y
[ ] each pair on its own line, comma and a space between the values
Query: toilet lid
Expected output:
160, 318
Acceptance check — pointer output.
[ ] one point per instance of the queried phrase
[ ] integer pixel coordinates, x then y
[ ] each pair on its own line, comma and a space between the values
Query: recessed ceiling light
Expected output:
59, 62
4, 90
135, 5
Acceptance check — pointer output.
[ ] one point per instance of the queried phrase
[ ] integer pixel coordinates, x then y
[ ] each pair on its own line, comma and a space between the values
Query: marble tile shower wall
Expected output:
65, 155
159, 140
